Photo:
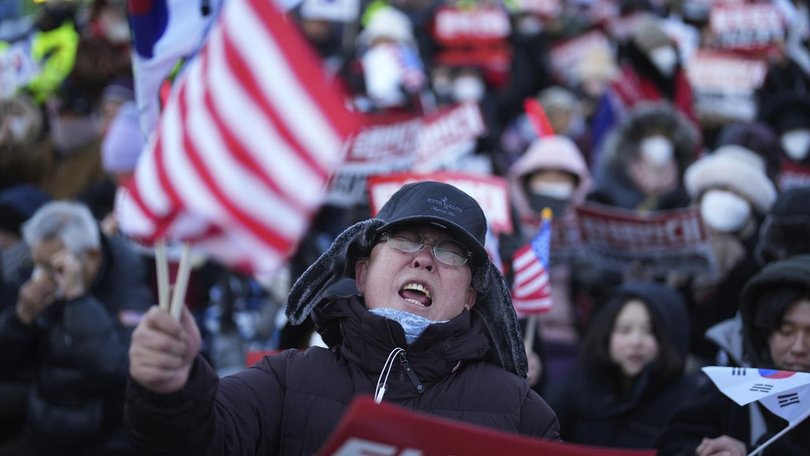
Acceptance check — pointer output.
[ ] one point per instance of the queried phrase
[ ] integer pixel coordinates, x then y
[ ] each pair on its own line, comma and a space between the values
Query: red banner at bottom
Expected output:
383, 429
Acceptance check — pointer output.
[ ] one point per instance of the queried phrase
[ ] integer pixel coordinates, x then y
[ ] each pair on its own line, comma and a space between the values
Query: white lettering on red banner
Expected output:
615, 238
481, 23
422, 144
724, 84
746, 26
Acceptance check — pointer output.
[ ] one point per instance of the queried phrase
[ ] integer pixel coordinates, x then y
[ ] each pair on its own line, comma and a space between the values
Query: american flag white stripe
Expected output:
282, 80
531, 279
233, 102
245, 145
225, 170
531, 288
229, 193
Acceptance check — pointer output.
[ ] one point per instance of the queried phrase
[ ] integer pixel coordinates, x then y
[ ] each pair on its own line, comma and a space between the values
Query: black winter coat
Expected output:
78, 349
290, 403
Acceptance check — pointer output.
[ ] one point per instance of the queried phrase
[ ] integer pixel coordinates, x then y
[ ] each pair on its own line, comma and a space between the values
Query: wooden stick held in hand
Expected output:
162, 269
181, 282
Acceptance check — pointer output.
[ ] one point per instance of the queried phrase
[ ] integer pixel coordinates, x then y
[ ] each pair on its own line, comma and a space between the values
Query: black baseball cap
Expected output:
442, 205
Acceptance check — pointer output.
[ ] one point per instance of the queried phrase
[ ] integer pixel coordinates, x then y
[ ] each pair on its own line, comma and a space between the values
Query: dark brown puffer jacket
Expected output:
290, 403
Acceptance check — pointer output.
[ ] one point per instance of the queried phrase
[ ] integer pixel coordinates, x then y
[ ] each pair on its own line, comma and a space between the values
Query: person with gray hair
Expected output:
73, 321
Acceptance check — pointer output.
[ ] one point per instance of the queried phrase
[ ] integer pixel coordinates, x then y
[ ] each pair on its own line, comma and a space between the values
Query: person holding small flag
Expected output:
413, 313
552, 174
775, 309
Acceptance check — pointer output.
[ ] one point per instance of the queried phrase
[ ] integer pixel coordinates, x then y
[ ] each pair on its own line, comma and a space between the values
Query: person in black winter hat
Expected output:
407, 301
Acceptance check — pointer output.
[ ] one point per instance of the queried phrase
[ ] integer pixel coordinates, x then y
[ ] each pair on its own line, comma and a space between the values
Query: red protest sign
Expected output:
475, 36
481, 24
663, 241
746, 26
724, 84
490, 192
383, 429
405, 143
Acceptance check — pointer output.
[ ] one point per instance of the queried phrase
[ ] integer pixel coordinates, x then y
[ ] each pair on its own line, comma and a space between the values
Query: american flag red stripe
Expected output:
245, 145
531, 288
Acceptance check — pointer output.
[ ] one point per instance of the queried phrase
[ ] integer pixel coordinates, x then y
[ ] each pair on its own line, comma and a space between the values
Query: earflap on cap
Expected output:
336, 263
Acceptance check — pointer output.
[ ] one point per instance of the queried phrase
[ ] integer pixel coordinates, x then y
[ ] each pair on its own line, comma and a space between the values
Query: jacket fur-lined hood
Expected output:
557, 153
493, 302
621, 145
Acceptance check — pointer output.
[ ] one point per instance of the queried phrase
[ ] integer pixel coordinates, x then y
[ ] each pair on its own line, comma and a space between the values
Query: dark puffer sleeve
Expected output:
236, 415
538, 419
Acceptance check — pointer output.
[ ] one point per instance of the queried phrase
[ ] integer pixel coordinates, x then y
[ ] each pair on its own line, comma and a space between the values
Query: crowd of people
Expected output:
410, 305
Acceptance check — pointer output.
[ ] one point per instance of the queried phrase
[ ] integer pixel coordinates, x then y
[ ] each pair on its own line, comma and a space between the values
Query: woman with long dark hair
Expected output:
631, 369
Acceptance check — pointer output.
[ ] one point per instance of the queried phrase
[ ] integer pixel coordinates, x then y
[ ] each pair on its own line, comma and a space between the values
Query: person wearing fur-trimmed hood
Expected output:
644, 158
408, 299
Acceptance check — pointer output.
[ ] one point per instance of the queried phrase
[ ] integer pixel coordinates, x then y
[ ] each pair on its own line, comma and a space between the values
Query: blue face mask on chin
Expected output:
413, 325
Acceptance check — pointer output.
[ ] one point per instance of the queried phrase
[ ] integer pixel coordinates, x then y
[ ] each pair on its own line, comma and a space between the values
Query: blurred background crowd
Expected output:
654, 105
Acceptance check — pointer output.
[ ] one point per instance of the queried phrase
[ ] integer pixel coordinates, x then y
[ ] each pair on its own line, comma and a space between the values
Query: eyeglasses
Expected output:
447, 251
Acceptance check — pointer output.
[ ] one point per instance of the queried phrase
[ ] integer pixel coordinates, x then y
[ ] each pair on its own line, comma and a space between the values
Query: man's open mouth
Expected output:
416, 293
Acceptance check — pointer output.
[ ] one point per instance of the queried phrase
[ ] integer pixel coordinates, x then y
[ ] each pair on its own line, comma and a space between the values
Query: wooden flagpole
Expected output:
181, 282
162, 269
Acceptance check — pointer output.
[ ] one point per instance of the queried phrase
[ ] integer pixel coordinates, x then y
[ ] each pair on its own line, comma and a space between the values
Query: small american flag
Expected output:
531, 289
244, 147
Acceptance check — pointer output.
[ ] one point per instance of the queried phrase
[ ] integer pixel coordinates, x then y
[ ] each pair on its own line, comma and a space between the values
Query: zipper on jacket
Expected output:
406, 367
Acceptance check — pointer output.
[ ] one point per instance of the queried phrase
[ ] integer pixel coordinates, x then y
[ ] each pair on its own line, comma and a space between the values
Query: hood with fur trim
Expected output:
621, 145
493, 302
555, 153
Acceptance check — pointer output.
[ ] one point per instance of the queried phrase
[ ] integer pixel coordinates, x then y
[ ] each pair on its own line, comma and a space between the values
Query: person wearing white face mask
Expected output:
649, 71
392, 68
789, 115
665, 59
733, 192
468, 85
796, 143
642, 160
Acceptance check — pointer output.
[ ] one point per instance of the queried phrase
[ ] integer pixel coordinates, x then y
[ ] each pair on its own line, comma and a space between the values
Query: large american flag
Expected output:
244, 147
531, 288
